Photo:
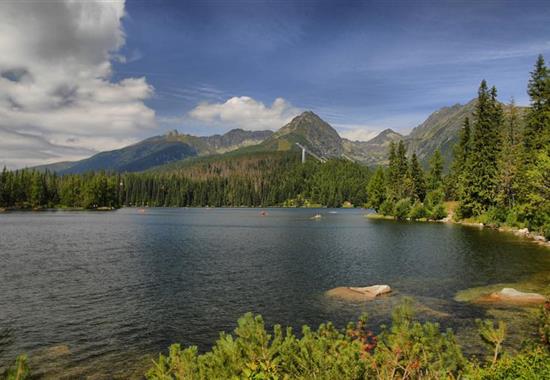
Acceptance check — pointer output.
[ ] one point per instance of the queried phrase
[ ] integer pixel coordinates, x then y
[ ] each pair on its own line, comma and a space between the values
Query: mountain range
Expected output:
439, 131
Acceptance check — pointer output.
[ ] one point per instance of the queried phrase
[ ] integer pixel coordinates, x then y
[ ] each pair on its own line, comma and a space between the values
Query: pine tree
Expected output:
376, 189
401, 156
509, 159
454, 181
537, 129
38, 190
480, 177
416, 176
397, 172
393, 177
4, 191
436, 171
534, 189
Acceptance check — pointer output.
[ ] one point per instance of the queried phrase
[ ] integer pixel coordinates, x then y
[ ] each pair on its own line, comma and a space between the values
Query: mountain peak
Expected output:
307, 115
311, 131
386, 132
385, 137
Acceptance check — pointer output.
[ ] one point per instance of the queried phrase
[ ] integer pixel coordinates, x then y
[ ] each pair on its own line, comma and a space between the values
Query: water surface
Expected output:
99, 293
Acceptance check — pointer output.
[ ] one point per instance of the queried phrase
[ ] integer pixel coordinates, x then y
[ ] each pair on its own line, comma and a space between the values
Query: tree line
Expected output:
273, 179
405, 190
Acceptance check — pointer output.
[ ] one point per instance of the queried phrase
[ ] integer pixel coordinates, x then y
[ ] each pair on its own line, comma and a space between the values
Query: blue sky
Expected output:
368, 65
80, 77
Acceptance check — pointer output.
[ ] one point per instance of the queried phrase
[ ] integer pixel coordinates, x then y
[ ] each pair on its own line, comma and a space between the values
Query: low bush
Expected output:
402, 209
387, 208
438, 212
406, 350
418, 211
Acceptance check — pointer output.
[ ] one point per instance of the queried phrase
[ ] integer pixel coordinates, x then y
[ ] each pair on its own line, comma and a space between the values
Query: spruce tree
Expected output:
534, 189
436, 171
509, 159
454, 181
376, 189
480, 182
401, 156
393, 177
537, 129
416, 176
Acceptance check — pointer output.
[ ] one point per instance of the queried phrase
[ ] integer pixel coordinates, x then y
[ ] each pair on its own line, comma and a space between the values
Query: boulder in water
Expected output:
366, 293
512, 296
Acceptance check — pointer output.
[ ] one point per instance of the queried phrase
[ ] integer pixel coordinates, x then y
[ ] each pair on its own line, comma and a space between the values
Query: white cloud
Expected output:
357, 132
56, 92
245, 112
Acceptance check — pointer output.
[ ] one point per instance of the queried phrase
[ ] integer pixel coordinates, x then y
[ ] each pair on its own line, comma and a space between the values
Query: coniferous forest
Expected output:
275, 179
500, 175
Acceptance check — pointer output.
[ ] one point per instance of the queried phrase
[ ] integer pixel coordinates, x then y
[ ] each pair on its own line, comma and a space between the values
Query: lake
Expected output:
104, 292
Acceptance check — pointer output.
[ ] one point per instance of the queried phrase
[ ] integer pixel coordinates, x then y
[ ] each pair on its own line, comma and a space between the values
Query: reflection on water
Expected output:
111, 289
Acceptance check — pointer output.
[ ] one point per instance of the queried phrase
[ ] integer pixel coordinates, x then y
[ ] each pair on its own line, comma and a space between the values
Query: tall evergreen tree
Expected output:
393, 177
480, 179
534, 191
537, 129
436, 171
509, 159
376, 189
4, 191
454, 181
402, 162
416, 175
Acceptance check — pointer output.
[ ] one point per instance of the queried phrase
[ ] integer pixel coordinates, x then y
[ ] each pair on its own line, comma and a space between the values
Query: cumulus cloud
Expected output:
56, 92
357, 132
245, 112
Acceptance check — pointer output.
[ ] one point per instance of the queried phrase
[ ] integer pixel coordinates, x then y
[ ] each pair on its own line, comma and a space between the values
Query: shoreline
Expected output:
519, 232
40, 209
52, 209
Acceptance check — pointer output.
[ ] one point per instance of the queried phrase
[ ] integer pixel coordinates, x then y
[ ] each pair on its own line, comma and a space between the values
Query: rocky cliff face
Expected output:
235, 139
311, 131
374, 151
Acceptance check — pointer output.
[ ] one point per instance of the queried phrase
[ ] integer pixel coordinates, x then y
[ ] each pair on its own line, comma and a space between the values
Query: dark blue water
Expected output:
99, 293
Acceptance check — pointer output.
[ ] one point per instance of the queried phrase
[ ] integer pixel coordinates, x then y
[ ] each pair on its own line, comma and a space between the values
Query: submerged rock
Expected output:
359, 293
512, 296
522, 232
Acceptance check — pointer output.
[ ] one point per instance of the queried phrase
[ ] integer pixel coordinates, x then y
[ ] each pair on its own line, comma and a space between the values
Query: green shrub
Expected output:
412, 350
438, 212
533, 364
18, 371
544, 324
402, 208
513, 218
418, 211
433, 198
387, 208
408, 350
495, 216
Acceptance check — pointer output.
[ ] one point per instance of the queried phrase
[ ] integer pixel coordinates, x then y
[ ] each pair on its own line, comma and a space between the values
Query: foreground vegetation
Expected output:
408, 349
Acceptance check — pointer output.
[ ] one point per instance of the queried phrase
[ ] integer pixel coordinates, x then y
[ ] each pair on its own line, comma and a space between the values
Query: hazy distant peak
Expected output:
386, 136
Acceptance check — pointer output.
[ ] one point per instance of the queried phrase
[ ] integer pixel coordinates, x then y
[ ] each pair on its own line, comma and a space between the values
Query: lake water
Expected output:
101, 293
